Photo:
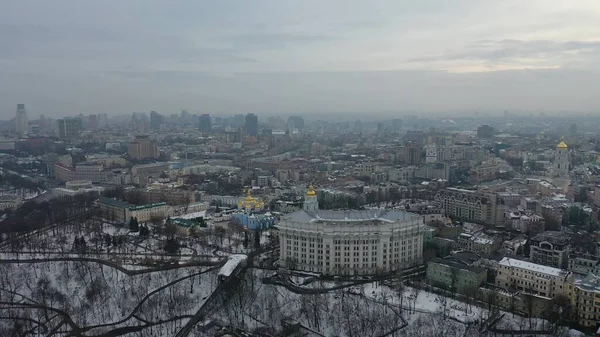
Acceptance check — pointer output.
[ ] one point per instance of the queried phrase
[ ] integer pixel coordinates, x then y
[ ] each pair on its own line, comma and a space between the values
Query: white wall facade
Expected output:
351, 247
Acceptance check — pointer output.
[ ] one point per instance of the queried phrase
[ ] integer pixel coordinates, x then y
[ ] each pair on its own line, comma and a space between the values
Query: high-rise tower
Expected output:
21, 121
204, 123
252, 124
156, 120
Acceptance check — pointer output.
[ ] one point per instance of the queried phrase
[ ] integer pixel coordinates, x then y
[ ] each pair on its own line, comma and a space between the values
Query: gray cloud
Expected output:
169, 76
59, 42
383, 92
267, 41
510, 49
68, 57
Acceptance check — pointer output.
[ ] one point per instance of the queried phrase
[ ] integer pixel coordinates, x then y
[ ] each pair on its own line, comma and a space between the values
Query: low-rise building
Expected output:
531, 278
149, 212
91, 172
171, 196
525, 221
122, 211
584, 264
401, 174
550, 248
480, 243
584, 293
459, 272
471, 205
76, 187
115, 210
514, 246
154, 169
430, 171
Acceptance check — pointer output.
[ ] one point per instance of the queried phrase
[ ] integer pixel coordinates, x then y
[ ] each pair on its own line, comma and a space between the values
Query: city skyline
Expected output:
306, 58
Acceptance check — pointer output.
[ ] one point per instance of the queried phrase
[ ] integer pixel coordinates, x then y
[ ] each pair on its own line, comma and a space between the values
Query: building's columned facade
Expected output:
349, 242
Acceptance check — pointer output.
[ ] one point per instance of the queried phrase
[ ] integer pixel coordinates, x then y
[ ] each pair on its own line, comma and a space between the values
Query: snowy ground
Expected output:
99, 298
192, 215
363, 310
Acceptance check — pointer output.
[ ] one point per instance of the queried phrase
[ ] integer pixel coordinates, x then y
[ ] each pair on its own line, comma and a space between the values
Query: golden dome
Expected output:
250, 203
562, 144
311, 191
249, 196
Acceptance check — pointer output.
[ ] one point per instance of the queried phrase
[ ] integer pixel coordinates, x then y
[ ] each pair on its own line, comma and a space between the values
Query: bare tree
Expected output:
220, 233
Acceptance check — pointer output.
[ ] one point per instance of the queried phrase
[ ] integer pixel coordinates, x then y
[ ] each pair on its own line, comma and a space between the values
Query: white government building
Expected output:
349, 242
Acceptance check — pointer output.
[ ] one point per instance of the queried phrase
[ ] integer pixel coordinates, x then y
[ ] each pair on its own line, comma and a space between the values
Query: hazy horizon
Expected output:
384, 58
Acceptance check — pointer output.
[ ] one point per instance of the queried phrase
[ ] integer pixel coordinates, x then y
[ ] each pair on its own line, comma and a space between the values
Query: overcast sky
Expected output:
306, 56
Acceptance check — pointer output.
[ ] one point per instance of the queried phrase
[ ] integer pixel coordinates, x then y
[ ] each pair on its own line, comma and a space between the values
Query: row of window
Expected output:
311, 258
396, 242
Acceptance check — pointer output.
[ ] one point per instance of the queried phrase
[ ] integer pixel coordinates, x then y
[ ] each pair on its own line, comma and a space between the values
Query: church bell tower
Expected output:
310, 200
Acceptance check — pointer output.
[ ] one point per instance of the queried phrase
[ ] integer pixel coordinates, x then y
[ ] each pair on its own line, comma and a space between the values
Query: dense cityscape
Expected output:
156, 224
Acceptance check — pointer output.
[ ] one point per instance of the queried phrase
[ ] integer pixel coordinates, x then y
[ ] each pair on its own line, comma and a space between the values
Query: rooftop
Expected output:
141, 207
554, 237
152, 165
450, 262
508, 262
352, 215
232, 264
590, 283
114, 202
466, 257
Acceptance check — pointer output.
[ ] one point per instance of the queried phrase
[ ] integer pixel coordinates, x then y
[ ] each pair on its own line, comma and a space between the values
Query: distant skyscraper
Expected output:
573, 129
358, 127
485, 131
298, 122
155, 120
204, 123
102, 120
93, 122
380, 127
412, 154
252, 125
397, 125
290, 127
139, 122
21, 121
69, 128
417, 137
238, 120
